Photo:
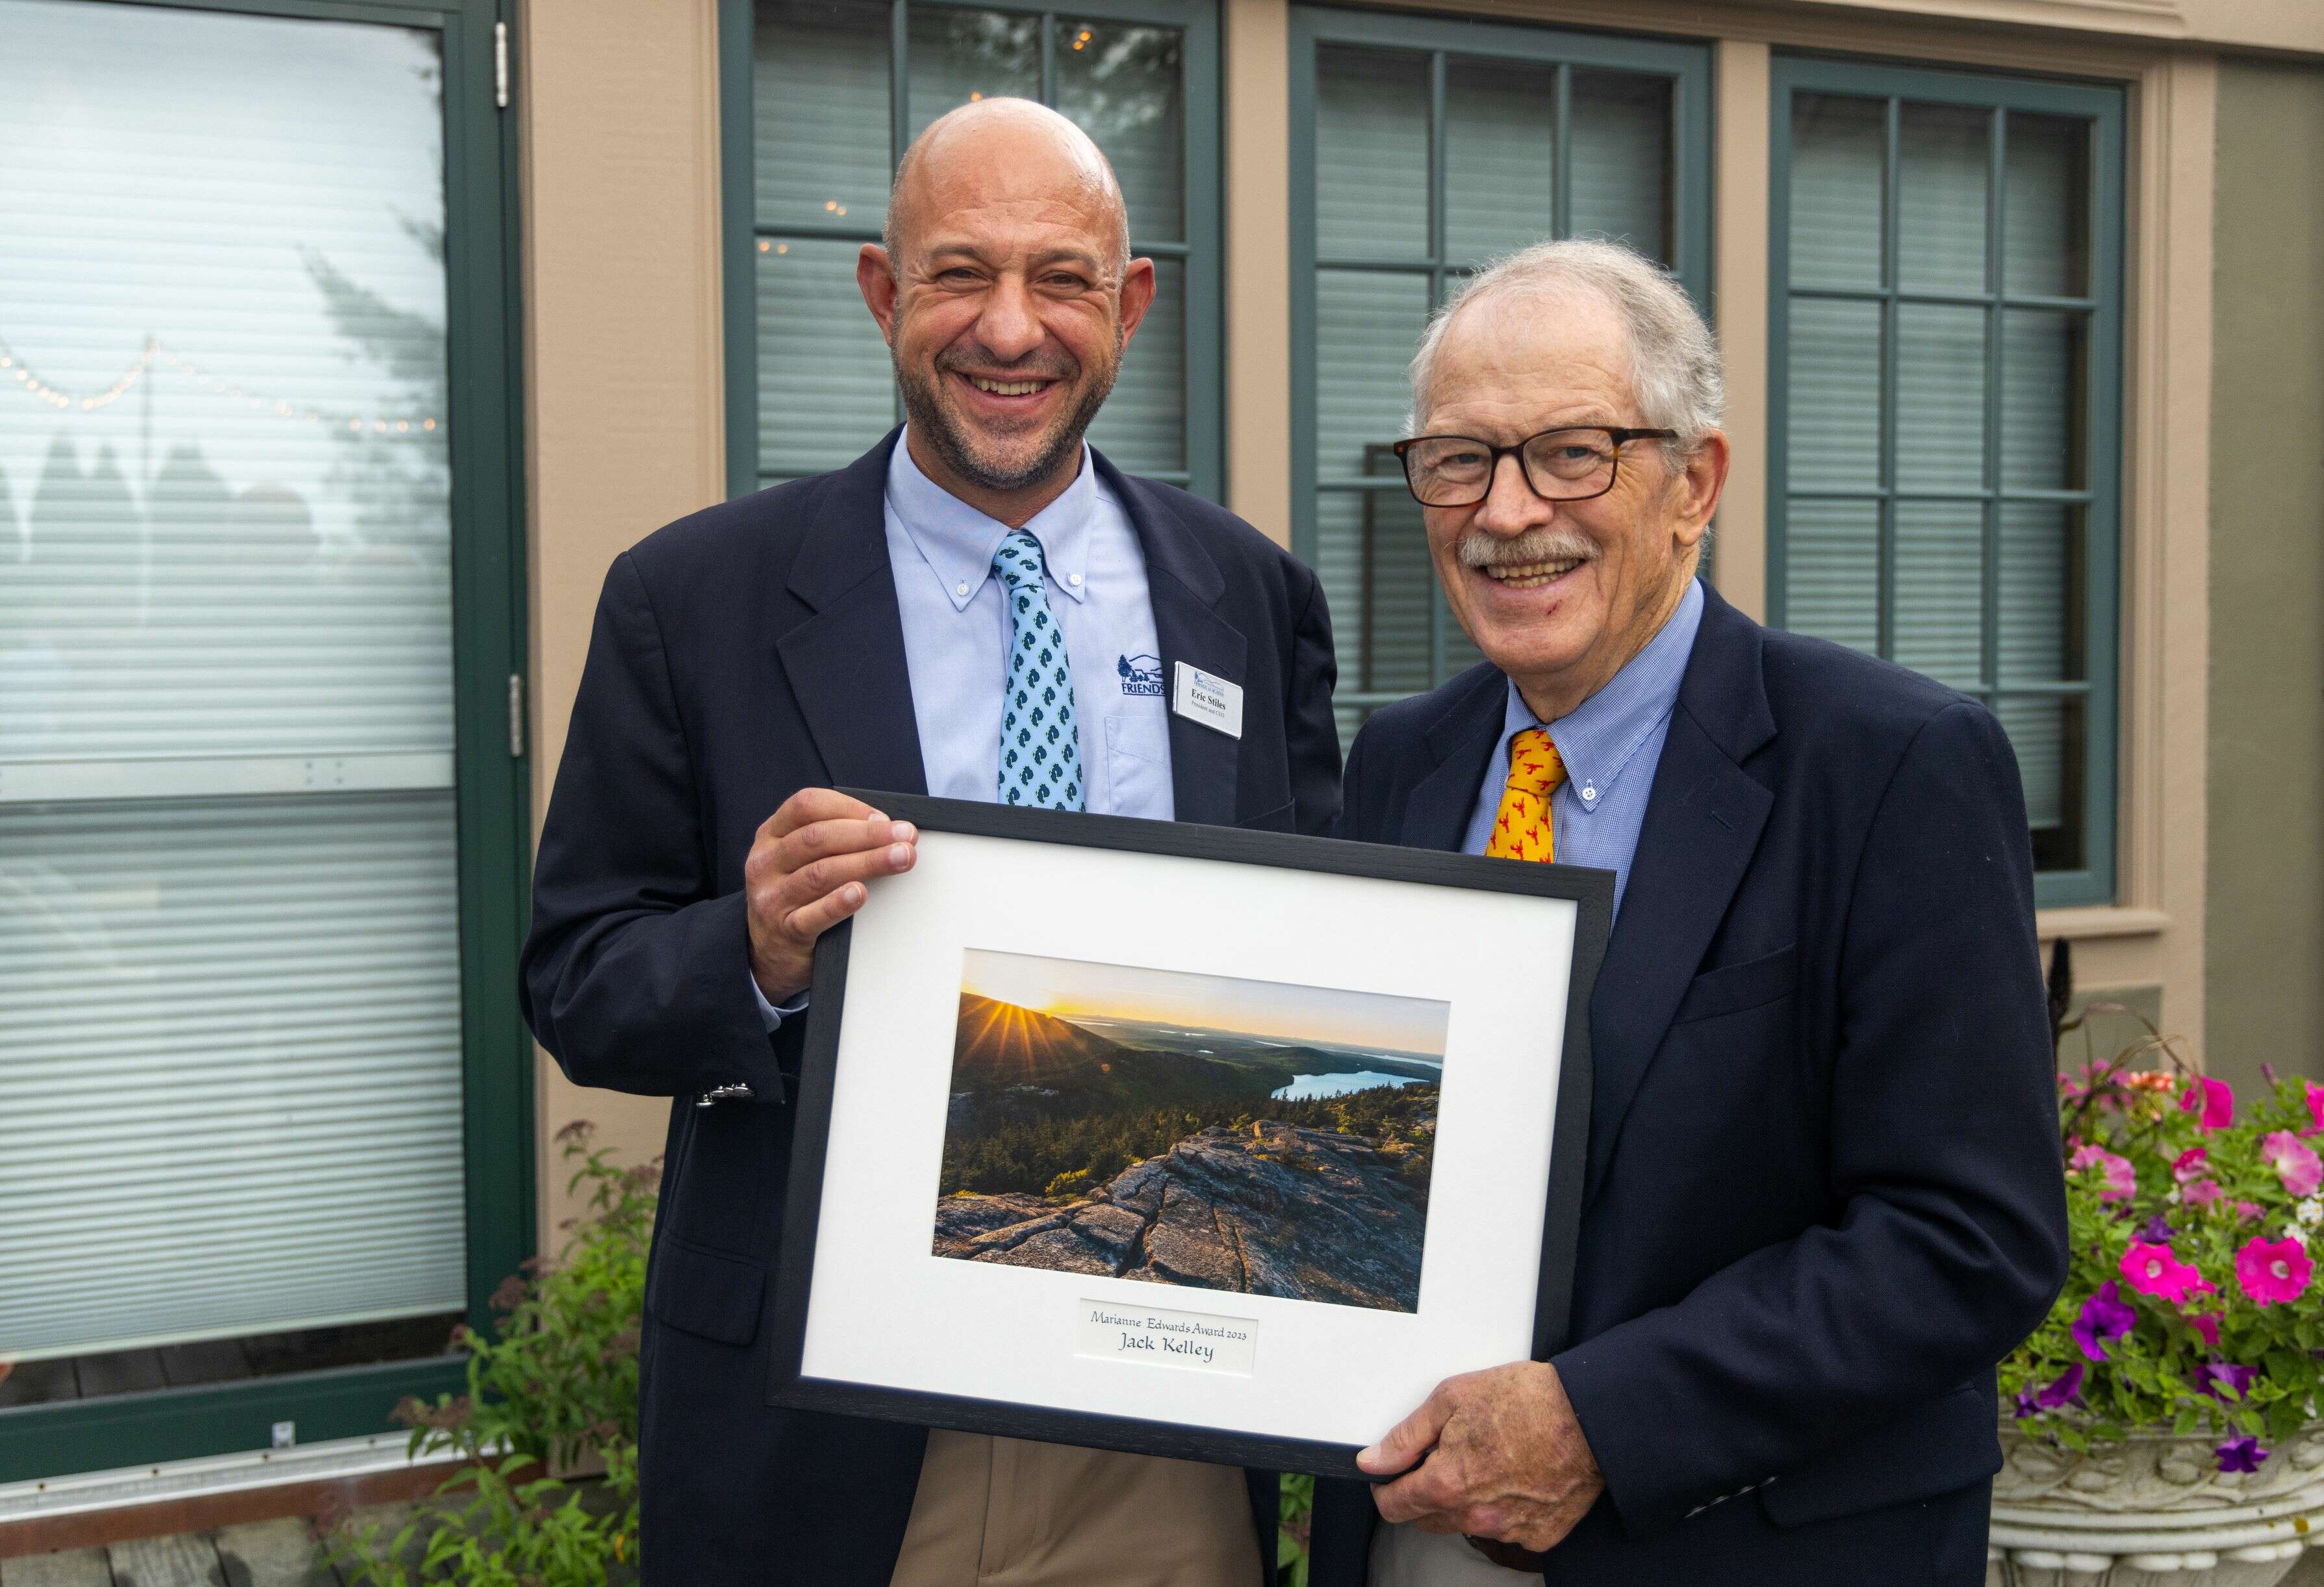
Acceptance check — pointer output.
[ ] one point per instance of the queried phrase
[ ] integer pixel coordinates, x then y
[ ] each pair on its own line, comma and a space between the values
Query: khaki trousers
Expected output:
1001, 1512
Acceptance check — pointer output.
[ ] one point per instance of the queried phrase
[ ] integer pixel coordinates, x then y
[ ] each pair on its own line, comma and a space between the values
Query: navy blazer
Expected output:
1824, 1194
740, 655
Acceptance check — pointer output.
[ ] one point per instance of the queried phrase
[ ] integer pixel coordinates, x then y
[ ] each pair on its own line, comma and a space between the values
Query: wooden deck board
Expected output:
72, 1567
274, 1554
183, 1559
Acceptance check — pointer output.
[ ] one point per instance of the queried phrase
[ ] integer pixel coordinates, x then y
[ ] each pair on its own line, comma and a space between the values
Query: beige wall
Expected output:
623, 352
2264, 953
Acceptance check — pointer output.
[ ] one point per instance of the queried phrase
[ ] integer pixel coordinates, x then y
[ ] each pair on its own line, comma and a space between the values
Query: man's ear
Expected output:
1137, 296
875, 278
1697, 487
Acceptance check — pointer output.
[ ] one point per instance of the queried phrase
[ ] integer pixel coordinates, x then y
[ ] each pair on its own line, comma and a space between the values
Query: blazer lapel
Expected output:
1183, 584
846, 663
1436, 814
1702, 827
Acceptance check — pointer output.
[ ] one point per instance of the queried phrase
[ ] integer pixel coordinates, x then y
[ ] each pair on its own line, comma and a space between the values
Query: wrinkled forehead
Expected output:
1009, 184
1528, 359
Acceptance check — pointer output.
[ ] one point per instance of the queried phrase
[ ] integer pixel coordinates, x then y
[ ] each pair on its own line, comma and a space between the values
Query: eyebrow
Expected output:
1043, 260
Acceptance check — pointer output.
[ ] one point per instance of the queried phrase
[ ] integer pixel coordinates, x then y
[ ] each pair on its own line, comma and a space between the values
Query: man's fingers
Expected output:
1409, 1439
827, 911
847, 835
815, 804
825, 876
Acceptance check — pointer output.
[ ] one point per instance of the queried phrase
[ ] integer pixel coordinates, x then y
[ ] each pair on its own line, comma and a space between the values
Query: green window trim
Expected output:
492, 801
1686, 67
1199, 250
2097, 617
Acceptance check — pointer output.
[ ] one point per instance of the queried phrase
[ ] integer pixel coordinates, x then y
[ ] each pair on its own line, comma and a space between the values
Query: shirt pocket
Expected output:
1137, 763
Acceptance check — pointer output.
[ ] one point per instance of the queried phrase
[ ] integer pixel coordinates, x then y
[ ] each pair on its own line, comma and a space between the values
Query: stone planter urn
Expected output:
2154, 1511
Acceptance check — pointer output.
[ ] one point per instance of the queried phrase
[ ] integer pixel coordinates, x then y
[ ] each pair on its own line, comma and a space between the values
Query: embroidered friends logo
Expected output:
1140, 674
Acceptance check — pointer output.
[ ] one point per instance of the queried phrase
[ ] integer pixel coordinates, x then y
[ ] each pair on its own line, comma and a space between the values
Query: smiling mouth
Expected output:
1527, 575
1006, 388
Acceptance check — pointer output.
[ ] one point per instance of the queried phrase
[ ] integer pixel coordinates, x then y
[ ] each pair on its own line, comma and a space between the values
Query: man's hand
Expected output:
806, 874
1506, 1460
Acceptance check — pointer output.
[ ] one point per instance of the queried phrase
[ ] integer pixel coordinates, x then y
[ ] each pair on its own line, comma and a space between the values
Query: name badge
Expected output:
1207, 699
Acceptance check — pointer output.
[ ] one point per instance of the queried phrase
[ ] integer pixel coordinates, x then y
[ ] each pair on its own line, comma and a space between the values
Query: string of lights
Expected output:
156, 353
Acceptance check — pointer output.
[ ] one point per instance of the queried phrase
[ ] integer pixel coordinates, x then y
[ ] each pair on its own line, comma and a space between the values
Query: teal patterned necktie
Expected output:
1040, 755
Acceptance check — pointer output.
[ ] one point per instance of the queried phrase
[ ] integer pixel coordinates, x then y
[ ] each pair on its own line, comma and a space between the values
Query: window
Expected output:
254, 849
834, 91
1945, 454
1422, 150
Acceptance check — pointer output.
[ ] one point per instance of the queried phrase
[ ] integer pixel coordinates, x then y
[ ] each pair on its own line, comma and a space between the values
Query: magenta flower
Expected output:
2192, 1164
2298, 1166
2240, 1454
2217, 1101
2208, 1326
2213, 1377
2151, 1269
2272, 1271
2117, 1180
2200, 1193
2104, 1316
2246, 1211
2315, 1109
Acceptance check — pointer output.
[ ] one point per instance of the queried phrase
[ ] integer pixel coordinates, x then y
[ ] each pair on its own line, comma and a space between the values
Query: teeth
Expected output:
1005, 388
1532, 574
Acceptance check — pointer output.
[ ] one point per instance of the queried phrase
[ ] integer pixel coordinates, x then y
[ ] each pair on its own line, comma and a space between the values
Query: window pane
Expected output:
230, 1097
826, 390
1621, 159
2047, 736
1396, 596
1834, 423
1142, 426
957, 56
1941, 589
2039, 627
1367, 323
2042, 399
2046, 243
1838, 165
1371, 152
1943, 171
1940, 397
1501, 139
820, 72
1832, 565
1120, 85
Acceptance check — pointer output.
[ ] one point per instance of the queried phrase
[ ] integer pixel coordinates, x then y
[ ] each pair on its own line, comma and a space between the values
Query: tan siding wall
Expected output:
2265, 957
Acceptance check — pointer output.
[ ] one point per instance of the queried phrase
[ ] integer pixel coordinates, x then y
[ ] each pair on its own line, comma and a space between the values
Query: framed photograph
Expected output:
1186, 1141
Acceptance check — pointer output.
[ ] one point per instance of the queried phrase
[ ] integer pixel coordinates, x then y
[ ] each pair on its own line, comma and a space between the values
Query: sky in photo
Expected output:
1073, 989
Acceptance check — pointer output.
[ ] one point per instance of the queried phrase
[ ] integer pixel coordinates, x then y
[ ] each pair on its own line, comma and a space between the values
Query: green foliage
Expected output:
556, 1393
2249, 1184
1291, 1538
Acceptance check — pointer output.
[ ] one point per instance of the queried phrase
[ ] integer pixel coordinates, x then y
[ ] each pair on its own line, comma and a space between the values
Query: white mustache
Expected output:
1480, 549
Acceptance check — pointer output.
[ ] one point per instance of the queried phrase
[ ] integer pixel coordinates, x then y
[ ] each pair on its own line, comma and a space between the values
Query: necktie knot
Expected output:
1535, 765
1018, 561
1523, 828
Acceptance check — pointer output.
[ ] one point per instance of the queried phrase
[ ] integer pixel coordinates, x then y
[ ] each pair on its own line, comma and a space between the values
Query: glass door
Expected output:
254, 537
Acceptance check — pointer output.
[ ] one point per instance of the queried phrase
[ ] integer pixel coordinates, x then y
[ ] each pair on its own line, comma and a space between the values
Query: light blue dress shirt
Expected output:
1610, 744
955, 619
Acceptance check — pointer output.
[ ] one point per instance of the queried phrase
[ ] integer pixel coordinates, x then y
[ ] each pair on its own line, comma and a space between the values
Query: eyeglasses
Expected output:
1570, 464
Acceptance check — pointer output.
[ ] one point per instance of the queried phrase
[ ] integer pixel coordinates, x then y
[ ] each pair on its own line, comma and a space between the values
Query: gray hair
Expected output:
1674, 368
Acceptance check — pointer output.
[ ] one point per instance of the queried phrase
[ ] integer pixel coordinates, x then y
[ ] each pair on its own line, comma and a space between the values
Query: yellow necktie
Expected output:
1521, 831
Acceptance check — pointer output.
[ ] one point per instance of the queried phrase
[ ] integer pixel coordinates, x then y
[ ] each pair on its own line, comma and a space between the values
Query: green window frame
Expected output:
1687, 248
1197, 251
491, 800
2068, 873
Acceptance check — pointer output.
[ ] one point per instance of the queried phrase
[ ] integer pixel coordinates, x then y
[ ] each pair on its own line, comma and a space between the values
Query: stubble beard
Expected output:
925, 410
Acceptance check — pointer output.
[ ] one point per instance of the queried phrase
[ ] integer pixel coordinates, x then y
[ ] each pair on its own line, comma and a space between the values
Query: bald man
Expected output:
857, 629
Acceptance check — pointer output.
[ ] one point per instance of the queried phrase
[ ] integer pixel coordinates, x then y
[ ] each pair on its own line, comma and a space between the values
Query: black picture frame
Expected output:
1590, 890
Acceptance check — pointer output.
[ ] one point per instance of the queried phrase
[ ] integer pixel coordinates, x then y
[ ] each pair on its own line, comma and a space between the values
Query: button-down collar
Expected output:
957, 541
1600, 737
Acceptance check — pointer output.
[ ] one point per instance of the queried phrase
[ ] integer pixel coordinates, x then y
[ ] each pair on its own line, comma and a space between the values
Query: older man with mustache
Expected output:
986, 609
1823, 1195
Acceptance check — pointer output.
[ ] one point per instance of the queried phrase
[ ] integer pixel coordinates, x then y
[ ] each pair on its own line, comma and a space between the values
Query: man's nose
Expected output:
1511, 506
1008, 327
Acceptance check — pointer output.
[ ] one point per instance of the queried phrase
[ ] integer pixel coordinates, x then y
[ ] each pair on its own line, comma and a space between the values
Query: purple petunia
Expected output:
2156, 1232
2104, 1317
2214, 1375
2240, 1454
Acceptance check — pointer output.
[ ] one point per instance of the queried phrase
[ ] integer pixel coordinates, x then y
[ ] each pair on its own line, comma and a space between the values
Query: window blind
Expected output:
230, 1054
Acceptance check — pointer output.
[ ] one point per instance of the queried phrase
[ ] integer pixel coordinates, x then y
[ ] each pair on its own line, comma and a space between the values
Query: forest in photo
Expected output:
1208, 1131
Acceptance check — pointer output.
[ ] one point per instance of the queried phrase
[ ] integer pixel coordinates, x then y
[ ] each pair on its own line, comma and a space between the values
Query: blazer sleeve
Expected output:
636, 975
1311, 732
1949, 1240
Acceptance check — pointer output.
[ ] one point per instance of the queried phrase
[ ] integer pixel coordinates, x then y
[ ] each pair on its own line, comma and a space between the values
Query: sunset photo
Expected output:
1200, 1131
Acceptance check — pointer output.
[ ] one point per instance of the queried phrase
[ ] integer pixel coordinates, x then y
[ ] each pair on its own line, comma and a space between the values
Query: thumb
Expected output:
1409, 1439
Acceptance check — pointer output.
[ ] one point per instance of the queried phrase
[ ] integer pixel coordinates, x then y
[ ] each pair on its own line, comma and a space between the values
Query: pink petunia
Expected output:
2315, 1109
2246, 1211
2192, 1164
2299, 1168
2272, 1271
2208, 1326
2216, 1100
2117, 1180
2151, 1269
2202, 1193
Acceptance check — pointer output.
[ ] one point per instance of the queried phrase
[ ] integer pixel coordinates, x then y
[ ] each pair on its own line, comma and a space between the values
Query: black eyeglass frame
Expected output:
1620, 435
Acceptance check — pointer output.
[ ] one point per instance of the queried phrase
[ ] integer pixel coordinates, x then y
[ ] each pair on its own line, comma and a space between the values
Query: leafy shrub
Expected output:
553, 1397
